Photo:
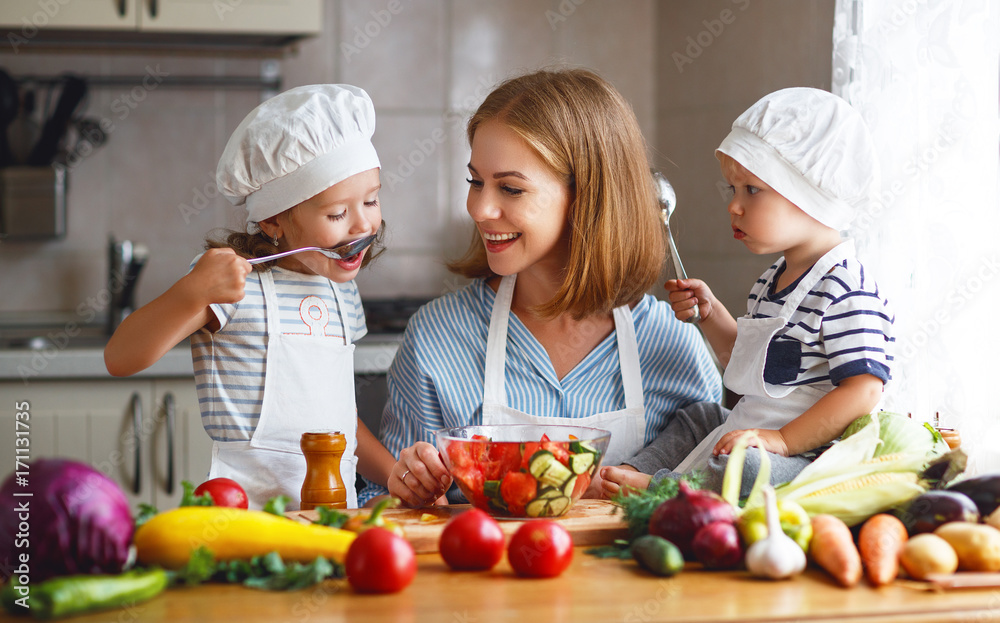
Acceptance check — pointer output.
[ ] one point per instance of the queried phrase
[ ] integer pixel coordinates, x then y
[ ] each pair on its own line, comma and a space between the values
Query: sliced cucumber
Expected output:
536, 508
557, 506
567, 488
581, 462
491, 488
549, 492
547, 469
581, 446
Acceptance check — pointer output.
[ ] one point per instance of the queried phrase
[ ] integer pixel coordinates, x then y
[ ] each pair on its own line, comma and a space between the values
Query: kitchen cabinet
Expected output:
144, 433
290, 17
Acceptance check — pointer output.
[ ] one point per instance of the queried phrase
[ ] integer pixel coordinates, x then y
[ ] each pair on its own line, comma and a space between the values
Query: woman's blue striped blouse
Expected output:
436, 379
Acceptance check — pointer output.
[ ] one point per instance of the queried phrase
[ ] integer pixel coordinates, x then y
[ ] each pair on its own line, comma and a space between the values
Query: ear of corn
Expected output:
855, 500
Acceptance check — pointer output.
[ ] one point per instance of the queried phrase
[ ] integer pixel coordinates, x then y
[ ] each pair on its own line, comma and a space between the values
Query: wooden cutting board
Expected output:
589, 522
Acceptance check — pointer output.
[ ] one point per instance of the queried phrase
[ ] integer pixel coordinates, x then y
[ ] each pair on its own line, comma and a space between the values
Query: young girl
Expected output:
811, 353
272, 343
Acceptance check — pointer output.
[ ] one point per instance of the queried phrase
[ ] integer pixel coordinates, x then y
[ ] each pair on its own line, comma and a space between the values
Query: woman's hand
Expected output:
419, 477
685, 294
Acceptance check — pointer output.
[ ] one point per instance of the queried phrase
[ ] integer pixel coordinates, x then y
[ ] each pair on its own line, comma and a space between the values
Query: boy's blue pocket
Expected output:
783, 360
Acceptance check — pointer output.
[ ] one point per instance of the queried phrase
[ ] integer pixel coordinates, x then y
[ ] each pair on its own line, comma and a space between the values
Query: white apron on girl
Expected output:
627, 426
765, 405
308, 386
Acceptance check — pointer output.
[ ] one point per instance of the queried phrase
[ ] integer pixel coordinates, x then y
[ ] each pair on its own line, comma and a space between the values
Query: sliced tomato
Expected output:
502, 457
517, 489
470, 481
530, 448
582, 482
558, 450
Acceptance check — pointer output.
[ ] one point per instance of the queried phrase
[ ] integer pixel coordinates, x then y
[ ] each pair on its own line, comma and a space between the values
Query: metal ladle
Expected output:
341, 252
668, 201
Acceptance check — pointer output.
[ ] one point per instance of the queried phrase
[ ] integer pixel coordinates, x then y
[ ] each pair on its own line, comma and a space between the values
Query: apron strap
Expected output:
834, 256
342, 312
628, 357
271, 310
494, 391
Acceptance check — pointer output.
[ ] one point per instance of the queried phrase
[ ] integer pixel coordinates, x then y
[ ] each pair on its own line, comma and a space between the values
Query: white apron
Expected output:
308, 386
765, 405
627, 426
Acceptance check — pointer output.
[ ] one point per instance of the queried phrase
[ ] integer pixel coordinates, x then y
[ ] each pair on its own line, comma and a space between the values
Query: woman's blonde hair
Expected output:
587, 133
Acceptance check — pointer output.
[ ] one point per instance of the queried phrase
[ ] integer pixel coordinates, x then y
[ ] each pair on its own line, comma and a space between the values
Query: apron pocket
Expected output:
784, 358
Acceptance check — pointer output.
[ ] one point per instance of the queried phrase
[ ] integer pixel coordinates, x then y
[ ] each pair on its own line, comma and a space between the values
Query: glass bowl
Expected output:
523, 470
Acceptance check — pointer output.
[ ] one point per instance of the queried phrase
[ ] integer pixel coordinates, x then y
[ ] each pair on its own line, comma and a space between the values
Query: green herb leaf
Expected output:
200, 568
188, 498
638, 506
146, 512
330, 517
276, 505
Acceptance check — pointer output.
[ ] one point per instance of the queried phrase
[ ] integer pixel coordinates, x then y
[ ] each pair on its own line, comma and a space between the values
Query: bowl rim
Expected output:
596, 433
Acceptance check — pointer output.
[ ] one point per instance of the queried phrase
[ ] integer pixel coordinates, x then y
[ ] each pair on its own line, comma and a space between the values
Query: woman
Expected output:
556, 326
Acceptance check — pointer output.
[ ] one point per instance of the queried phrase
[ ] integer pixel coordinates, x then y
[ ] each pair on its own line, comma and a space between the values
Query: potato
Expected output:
927, 553
977, 545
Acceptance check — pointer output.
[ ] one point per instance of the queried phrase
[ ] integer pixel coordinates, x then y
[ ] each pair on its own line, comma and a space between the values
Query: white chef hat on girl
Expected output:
296, 145
813, 148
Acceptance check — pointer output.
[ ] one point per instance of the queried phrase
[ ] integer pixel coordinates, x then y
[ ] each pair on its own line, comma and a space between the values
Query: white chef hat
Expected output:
296, 145
813, 148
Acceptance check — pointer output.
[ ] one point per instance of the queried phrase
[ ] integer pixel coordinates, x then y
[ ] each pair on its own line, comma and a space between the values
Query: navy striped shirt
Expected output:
229, 365
436, 379
842, 328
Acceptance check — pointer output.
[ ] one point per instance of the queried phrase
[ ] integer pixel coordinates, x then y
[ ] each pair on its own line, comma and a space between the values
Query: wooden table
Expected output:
591, 590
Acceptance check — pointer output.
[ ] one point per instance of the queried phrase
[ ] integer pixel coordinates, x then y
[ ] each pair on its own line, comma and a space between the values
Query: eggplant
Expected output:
929, 510
983, 490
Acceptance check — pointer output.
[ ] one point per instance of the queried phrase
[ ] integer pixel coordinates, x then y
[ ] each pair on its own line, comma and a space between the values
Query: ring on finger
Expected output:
405, 474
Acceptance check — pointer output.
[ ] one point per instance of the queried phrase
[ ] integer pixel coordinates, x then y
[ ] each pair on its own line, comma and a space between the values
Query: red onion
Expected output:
717, 545
679, 518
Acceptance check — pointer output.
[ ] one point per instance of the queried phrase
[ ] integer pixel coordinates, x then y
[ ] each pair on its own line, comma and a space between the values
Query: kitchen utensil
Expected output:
559, 463
44, 152
589, 522
10, 105
342, 252
668, 201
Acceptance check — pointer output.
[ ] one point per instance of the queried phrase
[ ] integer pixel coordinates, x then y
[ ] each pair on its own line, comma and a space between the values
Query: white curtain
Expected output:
925, 76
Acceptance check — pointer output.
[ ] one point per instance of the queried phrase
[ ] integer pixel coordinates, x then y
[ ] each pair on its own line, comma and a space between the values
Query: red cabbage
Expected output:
77, 520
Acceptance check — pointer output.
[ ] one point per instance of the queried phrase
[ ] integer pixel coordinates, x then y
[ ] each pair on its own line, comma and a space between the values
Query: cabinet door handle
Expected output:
122, 7
153, 8
168, 407
137, 440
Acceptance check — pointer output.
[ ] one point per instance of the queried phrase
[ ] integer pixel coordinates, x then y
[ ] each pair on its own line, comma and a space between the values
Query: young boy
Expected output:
810, 354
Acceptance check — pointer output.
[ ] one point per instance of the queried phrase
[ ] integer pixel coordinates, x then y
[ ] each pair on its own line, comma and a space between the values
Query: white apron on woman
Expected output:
308, 386
765, 405
627, 425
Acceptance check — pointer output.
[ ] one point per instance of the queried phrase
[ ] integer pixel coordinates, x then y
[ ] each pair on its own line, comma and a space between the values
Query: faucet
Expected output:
125, 260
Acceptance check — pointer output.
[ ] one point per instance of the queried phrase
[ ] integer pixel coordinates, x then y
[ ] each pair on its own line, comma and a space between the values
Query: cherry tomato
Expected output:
224, 492
379, 561
540, 549
472, 541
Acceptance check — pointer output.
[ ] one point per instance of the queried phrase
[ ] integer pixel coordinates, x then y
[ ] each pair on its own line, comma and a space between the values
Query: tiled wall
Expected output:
689, 67
426, 69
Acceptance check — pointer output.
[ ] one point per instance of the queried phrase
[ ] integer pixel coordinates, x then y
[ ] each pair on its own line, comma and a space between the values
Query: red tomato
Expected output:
224, 492
582, 482
517, 489
540, 549
530, 448
502, 457
380, 561
559, 450
472, 541
471, 481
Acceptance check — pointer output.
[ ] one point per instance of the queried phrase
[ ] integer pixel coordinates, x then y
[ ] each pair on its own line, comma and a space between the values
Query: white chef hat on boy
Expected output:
296, 145
813, 148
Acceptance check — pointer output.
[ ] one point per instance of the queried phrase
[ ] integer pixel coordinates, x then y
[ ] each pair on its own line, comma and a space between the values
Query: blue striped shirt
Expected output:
842, 328
436, 379
229, 365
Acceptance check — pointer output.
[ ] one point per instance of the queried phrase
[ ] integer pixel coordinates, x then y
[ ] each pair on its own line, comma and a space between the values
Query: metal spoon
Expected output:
668, 201
341, 252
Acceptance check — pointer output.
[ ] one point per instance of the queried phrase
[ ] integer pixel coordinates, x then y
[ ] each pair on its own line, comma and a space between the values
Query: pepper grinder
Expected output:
323, 484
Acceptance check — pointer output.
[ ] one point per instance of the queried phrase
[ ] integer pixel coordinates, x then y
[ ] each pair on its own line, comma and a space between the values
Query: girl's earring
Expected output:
275, 241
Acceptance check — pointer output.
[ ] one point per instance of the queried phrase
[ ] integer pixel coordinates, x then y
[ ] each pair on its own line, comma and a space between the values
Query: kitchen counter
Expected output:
372, 355
590, 590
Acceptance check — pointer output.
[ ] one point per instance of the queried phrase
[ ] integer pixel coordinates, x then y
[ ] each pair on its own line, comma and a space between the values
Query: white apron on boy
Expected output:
308, 386
627, 426
745, 373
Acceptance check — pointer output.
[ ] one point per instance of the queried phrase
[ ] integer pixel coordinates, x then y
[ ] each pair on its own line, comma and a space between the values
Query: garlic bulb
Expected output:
777, 556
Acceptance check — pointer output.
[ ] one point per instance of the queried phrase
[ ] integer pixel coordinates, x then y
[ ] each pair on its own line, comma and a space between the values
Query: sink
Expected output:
44, 337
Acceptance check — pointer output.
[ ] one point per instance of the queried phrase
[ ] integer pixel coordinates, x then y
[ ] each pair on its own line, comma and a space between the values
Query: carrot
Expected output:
880, 542
832, 548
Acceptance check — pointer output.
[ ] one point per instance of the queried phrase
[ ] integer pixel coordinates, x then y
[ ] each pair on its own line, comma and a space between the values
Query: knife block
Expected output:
32, 203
